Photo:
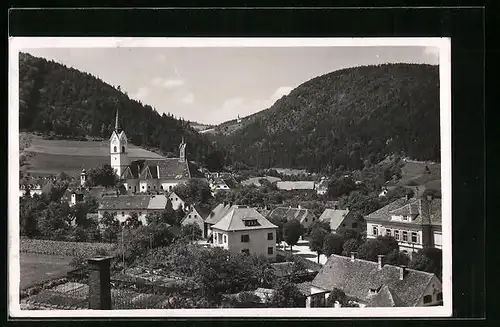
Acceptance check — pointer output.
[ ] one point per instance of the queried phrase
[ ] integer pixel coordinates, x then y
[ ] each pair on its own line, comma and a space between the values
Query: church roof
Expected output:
167, 168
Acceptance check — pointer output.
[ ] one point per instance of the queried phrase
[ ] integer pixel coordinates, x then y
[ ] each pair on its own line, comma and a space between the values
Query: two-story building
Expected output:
244, 230
123, 206
414, 222
374, 284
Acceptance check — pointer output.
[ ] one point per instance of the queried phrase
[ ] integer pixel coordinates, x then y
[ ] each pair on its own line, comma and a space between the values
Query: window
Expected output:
149, 186
396, 235
123, 213
170, 188
305, 220
251, 222
143, 187
219, 238
414, 237
375, 230
314, 219
405, 236
155, 187
354, 225
270, 250
115, 149
123, 148
387, 232
439, 296
225, 238
245, 251
270, 236
161, 187
140, 213
245, 238
405, 218
130, 187
427, 299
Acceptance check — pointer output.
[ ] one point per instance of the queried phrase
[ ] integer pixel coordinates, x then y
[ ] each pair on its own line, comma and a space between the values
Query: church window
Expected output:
123, 148
115, 149
161, 187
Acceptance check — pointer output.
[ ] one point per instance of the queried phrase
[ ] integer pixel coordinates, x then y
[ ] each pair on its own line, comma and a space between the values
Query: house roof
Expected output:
202, 211
291, 213
217, 213
255, 180
235, 220
96, 191
304, 288
334, 217
421, 210
166, 168
356, 278
124, 202
157, 202
385, 298
298, 185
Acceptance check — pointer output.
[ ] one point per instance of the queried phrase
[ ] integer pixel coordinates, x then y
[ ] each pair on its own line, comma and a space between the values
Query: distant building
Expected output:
322, 186
73, 196
177, 201
141, 176
123, 206
298, 185
414, 222
375, 284
217, 185
244, 230
338, 219
197, 215
215, 216
305, 216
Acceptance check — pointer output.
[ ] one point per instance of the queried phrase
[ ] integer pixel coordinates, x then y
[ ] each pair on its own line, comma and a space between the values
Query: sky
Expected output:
212, 84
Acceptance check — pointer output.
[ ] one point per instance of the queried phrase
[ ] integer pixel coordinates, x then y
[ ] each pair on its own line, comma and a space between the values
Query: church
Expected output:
149, 175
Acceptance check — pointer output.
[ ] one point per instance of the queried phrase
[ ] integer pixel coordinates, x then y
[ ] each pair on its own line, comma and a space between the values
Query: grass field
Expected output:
36, 268
414, 172
54, 156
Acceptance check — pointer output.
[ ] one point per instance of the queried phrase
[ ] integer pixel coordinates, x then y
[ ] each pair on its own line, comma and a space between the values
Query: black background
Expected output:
465, 26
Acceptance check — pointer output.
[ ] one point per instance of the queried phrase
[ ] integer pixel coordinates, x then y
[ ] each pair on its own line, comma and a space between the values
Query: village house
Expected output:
297, 185
341, 218
244, 230
375, 284
215, 215
73, 196
146, 175
305, 216
218, 184
123, 206
177, 201
322, 186
414, 222
197, 215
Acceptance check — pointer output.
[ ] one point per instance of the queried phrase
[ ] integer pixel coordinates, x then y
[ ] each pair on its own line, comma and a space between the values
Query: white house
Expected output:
414, 223
123, 206
177, 201
375, 284
244, 230
197, 215
341, 218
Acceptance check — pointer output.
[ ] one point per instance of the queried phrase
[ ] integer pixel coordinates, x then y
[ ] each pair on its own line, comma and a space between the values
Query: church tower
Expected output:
182, 151
118, 149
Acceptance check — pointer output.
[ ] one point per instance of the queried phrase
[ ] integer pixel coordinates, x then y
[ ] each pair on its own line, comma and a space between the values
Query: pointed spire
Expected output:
116, 121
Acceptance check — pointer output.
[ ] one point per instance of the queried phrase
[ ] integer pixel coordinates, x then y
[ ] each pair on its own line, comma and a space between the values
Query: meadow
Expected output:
54, 156
36, 268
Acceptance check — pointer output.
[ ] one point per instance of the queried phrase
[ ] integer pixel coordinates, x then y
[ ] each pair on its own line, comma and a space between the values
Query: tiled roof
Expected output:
385, 298
167, 168
124, 202
356, 278
203, 212
217, 213
291, 213
334, 217
419, 209
299, 185
235, 220
304, 288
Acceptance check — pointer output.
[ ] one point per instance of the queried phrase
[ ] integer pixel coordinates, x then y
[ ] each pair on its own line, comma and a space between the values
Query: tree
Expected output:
371, 249
194, 191
332, 244
390, 242
286, 295
349, 247
316, 240
429, 260
280, 222
133, 220
191, 231
104, 175
336, 295
111, 227
292, 231
319, 224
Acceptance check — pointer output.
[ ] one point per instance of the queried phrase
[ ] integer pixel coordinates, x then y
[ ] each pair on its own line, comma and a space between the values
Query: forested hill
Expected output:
67, 102
348, 117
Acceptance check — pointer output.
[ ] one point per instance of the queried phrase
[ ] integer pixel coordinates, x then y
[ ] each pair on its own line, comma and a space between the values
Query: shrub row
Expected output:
62, 248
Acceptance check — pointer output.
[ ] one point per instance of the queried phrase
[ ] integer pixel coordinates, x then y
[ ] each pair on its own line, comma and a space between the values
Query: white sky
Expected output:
213, 85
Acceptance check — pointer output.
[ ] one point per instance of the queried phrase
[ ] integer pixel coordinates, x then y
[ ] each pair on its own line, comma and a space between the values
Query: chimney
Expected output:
353, 256
99, 283
380, 261
402, 272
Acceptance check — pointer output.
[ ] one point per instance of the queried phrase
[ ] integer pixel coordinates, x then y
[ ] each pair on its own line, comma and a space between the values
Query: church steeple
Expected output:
117, 126
182, 151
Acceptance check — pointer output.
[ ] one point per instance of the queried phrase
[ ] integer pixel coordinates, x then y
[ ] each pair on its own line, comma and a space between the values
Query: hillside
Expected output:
55, 99
346, 117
